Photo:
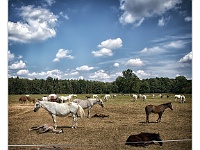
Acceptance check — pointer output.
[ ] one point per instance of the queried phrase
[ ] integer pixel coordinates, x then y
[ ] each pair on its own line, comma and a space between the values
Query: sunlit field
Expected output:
125, 117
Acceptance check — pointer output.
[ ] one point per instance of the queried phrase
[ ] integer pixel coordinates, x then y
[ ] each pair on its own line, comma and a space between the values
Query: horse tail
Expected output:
81, 111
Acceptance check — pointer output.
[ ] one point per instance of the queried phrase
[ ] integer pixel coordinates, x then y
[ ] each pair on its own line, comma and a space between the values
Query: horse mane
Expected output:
166, 103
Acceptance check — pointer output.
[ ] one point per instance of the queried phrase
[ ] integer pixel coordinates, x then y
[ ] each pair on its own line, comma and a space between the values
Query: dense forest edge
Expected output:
127, 83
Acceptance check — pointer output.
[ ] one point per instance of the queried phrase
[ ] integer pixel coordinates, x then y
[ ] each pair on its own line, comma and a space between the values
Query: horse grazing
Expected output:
88, 104
46, 128
23, 99
135, 97
143, 139
144, 97
31, 99
61, 109
159, 109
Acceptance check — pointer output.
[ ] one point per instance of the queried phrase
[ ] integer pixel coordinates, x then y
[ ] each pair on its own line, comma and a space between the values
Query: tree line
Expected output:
127, 83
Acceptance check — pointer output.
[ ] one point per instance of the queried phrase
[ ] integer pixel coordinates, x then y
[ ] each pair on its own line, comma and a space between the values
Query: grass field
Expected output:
126, 117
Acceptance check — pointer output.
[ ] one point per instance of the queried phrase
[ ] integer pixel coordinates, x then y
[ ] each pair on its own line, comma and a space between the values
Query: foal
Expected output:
46, 128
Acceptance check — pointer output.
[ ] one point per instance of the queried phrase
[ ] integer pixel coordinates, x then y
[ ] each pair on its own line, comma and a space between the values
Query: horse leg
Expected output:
159, 117
75, 121
147, 118
89, 113
54, 120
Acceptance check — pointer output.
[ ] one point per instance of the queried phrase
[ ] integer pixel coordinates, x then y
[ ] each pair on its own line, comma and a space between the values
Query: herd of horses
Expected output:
63, 106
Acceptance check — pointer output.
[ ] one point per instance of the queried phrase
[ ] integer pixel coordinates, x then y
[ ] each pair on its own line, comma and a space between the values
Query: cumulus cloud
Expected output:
84, 68
11, 56
134, 12
17, 65
99, 75
134, 62
62, 53
111, 44
107, 46
22, 72
187, 58
102, 52
116, 65
37, 25
50, 2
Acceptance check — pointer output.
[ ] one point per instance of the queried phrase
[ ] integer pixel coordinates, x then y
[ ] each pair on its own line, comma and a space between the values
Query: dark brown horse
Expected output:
159, 109
143, 139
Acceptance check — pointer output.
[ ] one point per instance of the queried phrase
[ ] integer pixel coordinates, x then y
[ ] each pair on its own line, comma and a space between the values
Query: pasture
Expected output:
125, 117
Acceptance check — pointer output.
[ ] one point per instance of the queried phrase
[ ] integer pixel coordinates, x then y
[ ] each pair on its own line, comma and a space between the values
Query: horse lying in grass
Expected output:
143, 139
46, 128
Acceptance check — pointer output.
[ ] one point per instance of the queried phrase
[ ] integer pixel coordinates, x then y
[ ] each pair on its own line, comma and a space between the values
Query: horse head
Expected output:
170, 106
157, 138
37, 106
100, 102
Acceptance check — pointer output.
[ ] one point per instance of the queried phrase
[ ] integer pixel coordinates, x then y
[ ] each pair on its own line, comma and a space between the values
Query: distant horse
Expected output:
135, 97
89, 103
106, 97
159, 109
46, 128
31, 99
52, 97
177, 97
87, 96
61, 109
95, 96
144, 97
183, 99
23, 99
66, 98
143, 139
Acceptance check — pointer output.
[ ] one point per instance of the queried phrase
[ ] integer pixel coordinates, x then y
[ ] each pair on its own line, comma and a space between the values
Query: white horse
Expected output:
106, 97
65, 98
89, 103
177, 97
135, 97
183, 99
144, 97
45, 98
61, 109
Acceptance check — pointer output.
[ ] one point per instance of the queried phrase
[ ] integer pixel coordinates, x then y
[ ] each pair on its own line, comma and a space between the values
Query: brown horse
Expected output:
23, 99
159, 109
143, 139
31, 99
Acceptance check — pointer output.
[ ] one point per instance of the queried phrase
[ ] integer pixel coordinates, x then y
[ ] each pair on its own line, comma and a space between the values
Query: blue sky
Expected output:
98, 39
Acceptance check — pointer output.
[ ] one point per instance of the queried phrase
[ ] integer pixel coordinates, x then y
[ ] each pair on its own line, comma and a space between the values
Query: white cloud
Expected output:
116, 65
62, 53
84, 68
142, 73
107, 46
188, 19
37, 25
99, 75
161, 22
11, 56
50, 2
64, 15
136, 11
111, 44
102, 52
162, 47
17, 65
187, 58
134, 62
22, 72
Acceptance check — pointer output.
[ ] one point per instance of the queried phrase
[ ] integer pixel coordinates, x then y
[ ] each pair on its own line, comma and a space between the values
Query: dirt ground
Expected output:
125, 118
